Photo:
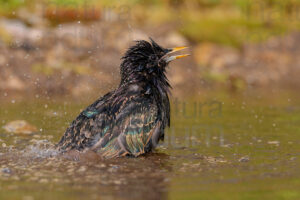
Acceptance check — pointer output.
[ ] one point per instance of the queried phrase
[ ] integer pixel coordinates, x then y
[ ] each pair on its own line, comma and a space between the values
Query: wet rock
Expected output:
214, 160
117, 182
82, 169
43, 180
19, 31
244, 159
293, 158
274, 142
6, 170
20, 126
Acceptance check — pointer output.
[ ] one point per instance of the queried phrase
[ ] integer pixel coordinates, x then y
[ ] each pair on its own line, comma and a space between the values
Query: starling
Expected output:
129, 121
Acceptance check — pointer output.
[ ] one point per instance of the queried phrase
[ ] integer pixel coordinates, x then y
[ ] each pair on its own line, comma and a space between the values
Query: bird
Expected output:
130, 120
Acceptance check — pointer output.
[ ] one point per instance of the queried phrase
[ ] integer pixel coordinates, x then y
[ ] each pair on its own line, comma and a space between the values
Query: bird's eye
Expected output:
152, 57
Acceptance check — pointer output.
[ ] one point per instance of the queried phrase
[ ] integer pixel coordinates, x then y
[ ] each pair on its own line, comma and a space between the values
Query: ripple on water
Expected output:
41, 162
219, 156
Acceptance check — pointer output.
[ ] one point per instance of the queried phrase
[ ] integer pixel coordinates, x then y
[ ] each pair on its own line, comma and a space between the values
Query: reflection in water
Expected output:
196, 135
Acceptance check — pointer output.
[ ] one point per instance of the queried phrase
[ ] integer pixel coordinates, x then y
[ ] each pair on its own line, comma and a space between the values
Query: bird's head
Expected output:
147, 60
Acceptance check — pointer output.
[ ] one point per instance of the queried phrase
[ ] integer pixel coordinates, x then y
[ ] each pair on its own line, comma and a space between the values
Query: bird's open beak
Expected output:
169, 57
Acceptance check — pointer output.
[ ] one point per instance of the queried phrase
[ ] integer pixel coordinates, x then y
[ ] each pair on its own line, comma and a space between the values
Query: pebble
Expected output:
6, 170
274, 142
20, 126
82, 169
43, 180
244, 159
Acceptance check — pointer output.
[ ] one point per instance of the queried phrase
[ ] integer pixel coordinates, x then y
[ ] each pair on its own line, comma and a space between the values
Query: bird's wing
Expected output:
88, 127
135, 130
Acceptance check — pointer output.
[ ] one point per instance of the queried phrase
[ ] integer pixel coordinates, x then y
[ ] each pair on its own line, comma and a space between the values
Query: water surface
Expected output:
220, 146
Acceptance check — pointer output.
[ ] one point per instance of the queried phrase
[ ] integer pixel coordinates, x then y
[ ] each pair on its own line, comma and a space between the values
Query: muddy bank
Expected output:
80, 58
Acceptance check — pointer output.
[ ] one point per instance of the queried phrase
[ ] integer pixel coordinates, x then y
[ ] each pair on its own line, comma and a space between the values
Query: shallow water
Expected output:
220, 146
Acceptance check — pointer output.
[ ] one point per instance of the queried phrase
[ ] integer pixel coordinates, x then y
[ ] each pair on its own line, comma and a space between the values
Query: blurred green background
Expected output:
235, 44
226, 22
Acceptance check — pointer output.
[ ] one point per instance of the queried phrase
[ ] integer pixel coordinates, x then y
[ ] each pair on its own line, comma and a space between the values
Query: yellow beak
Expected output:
174, 57
172, 50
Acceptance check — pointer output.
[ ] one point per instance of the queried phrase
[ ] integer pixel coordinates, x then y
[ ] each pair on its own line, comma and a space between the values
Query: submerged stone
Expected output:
20, 126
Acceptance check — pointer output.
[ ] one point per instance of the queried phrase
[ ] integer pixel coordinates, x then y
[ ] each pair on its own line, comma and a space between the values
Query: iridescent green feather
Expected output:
138, 127
90, 113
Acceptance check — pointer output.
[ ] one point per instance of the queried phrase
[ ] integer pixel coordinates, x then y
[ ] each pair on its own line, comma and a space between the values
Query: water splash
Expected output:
40, 149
